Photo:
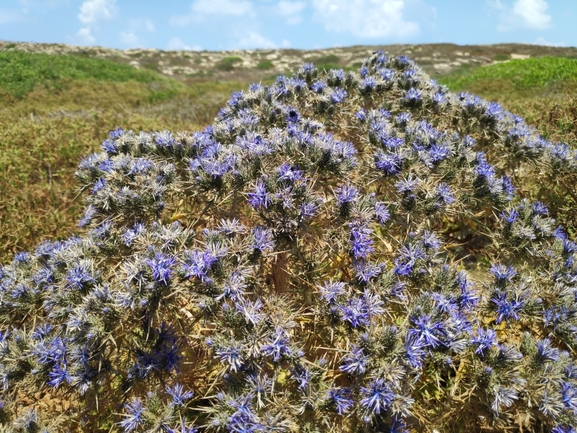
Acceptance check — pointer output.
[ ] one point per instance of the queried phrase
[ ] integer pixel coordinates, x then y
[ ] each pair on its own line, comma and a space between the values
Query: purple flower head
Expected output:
387, 74
366, 271
179, 395
338, 95
197, 264
430, 240
539, 208
444, 194
260, 197
510, 216
330, 290
307, 68
231, 355
278, 345
290, 173
361, 240
392, 142
389, 163
502, 273
263, 239
342, 399
413, 96
507, 309
110, 147
293, 116
427, 330
361, 115
116, 133
484, 340
403, 118
546, 352
161, 266
377, 396
318, 86
439, 98
59, 374
354, 362
381, 212
408, 256
355, 312
364, 71
346, 194
134, 415
484, 169
569, 396
368, 84
79, 277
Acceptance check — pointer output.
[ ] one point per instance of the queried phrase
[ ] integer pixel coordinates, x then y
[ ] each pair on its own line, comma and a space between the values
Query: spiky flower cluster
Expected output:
337, 252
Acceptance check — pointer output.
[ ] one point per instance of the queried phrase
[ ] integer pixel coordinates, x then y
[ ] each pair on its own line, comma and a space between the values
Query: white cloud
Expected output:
365, 18
542, 41
92, 11
255, 40
85, 36
8, 16
176, 44
200, 9
129, 38
149, 25
533, 13
530, 14
222, 7
291, 11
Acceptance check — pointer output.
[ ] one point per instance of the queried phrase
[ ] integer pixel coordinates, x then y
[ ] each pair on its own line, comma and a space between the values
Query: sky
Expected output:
217, 25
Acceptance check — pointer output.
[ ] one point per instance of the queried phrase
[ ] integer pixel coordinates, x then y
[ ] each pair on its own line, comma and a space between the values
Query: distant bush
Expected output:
227, 64
338, 252
265, 65
21, 71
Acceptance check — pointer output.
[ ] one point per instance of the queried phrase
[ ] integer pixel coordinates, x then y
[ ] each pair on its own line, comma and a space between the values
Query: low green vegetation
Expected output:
526, 77
264, 65
22, 72
228, 63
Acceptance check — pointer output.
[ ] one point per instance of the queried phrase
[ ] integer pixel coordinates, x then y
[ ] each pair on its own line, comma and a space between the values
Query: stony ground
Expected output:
258, 64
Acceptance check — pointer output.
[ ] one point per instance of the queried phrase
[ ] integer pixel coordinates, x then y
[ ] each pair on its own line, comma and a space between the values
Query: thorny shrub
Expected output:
340, 252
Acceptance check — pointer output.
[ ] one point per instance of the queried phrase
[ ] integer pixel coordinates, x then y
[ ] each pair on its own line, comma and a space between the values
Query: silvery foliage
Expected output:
337, 252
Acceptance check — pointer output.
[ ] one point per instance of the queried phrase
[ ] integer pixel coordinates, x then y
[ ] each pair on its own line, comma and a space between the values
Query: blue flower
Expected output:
389, 163
427, 330
361, 240
277, 346
231, 354
79, 277
338, 95
330, 290
546, 352
134, 416
342, 399
507, 309
502, 273
161, 266
178, 394
263, 239
354, 362
484, 340
346, 194
377, 396
355, 312
260, 197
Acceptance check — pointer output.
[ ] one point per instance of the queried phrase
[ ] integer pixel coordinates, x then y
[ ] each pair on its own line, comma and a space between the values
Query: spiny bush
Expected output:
340, 252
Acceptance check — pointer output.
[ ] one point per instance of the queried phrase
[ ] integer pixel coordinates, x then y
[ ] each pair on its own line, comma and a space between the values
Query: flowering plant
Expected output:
337, 252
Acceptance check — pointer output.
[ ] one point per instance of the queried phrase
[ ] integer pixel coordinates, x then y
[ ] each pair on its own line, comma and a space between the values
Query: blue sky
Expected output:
303, 24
